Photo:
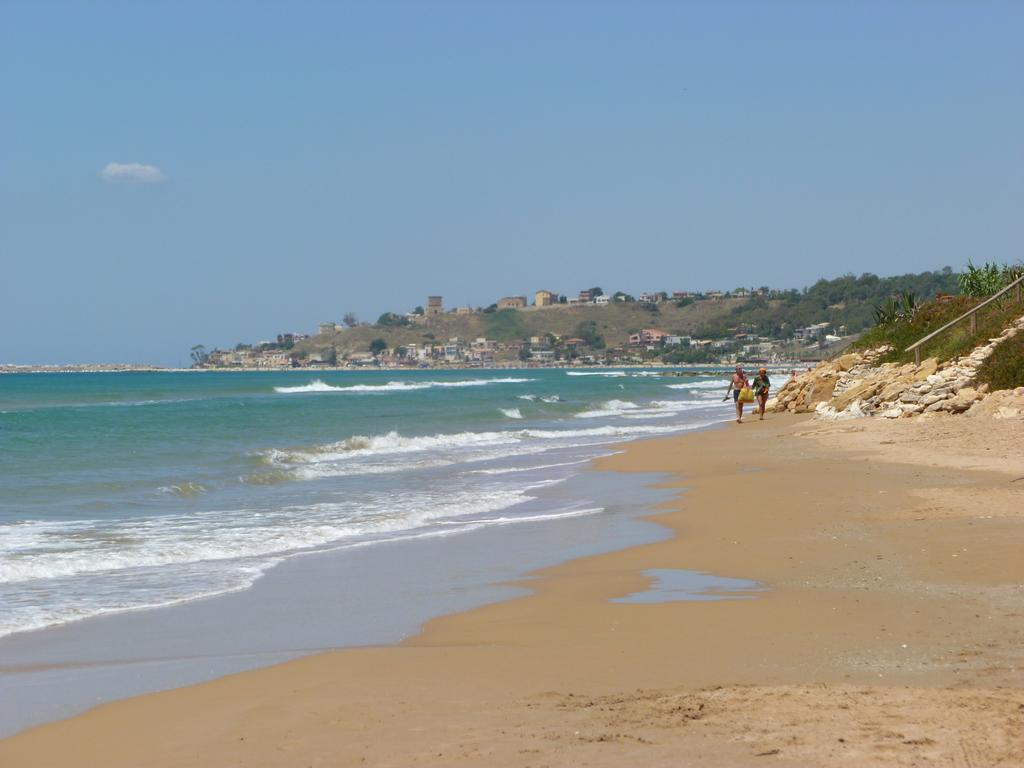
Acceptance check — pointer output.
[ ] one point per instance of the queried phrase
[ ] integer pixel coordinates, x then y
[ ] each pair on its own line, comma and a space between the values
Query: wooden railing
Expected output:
971, 313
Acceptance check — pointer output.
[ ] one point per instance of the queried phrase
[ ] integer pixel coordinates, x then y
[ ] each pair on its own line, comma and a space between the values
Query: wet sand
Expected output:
890, 632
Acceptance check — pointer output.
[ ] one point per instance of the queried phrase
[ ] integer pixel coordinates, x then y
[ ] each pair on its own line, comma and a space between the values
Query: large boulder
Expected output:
846, 362
860, 391
926, 369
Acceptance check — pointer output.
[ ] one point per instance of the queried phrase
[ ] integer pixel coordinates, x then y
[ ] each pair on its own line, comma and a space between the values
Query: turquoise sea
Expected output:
126, 491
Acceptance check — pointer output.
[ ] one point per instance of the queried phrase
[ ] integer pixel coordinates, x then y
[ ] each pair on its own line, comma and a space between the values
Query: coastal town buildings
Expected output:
647, 336
512, 302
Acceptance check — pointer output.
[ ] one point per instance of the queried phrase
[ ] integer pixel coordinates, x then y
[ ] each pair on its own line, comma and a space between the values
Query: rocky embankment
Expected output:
857, 385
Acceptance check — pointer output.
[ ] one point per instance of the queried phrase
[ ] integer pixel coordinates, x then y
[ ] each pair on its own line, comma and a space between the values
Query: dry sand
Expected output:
891, 633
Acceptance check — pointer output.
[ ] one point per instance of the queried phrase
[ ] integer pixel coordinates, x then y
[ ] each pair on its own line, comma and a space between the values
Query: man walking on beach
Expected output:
736, 385
761, 386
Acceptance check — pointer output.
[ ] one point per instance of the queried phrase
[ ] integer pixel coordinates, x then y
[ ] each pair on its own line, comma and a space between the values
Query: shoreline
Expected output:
880, 572
315, 601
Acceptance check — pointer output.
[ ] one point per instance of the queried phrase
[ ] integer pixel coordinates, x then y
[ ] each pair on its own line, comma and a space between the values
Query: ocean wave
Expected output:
318, 385
185, 490
144, 587
516, 470
31, 548
532, 518
595, 373
610, 408
700, 385
511, 413
542, 398
656, 409
392, 443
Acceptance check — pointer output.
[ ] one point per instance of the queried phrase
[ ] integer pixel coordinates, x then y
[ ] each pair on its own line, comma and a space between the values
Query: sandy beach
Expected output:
888, 633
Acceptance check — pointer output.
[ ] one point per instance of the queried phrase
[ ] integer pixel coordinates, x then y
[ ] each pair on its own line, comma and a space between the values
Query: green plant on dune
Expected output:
885, 313
988, 279
899, 308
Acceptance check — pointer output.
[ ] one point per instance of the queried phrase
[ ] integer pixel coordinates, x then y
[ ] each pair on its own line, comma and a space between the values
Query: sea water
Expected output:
128, 491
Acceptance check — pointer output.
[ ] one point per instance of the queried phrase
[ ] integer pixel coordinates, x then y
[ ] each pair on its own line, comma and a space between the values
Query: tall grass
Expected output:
1004, 368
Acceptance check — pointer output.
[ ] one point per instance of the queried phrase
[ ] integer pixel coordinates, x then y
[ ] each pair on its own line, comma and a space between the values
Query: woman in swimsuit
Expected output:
738, 382
761, 386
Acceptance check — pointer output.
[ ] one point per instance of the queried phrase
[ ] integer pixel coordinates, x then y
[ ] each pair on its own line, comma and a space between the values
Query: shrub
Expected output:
1004, 368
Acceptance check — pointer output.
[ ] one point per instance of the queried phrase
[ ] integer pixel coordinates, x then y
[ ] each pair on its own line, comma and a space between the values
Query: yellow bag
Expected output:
746, 395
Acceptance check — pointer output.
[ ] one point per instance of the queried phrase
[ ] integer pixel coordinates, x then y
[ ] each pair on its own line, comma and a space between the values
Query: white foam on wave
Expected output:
595, 373
656, 409
511, 413
610, 408
700, 385
533, 518
317, 385
183, 489
112, 566
392, 443
49, 550
536, 468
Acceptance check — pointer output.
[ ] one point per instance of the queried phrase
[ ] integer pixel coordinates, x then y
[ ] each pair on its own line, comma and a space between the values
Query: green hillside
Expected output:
614, 323
845, 301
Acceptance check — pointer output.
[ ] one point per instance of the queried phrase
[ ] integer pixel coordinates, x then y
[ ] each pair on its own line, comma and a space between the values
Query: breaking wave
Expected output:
318, 385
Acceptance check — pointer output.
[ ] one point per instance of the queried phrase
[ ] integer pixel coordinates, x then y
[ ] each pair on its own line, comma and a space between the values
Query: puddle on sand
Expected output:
673, 584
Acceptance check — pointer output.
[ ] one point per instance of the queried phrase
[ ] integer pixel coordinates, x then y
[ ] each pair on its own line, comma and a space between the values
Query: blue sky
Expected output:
176, 173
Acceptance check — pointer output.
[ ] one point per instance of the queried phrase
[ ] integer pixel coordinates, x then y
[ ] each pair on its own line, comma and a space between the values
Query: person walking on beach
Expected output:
761, 386
736, 385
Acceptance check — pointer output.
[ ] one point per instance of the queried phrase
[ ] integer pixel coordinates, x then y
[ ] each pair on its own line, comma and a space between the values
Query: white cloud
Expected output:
132, 173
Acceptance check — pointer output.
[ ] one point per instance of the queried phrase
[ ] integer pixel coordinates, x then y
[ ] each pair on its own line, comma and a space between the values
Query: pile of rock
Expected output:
855, 385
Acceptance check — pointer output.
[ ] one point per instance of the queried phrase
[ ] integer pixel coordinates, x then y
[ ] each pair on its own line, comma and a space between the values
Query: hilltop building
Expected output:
512, 302
435, 305
545, 298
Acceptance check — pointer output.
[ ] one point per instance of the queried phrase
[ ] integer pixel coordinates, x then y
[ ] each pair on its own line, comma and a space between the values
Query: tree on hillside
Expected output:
622, 296
587, 330
377, 346
418, 311
595, 292
390, 319
199, 355
350, 319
